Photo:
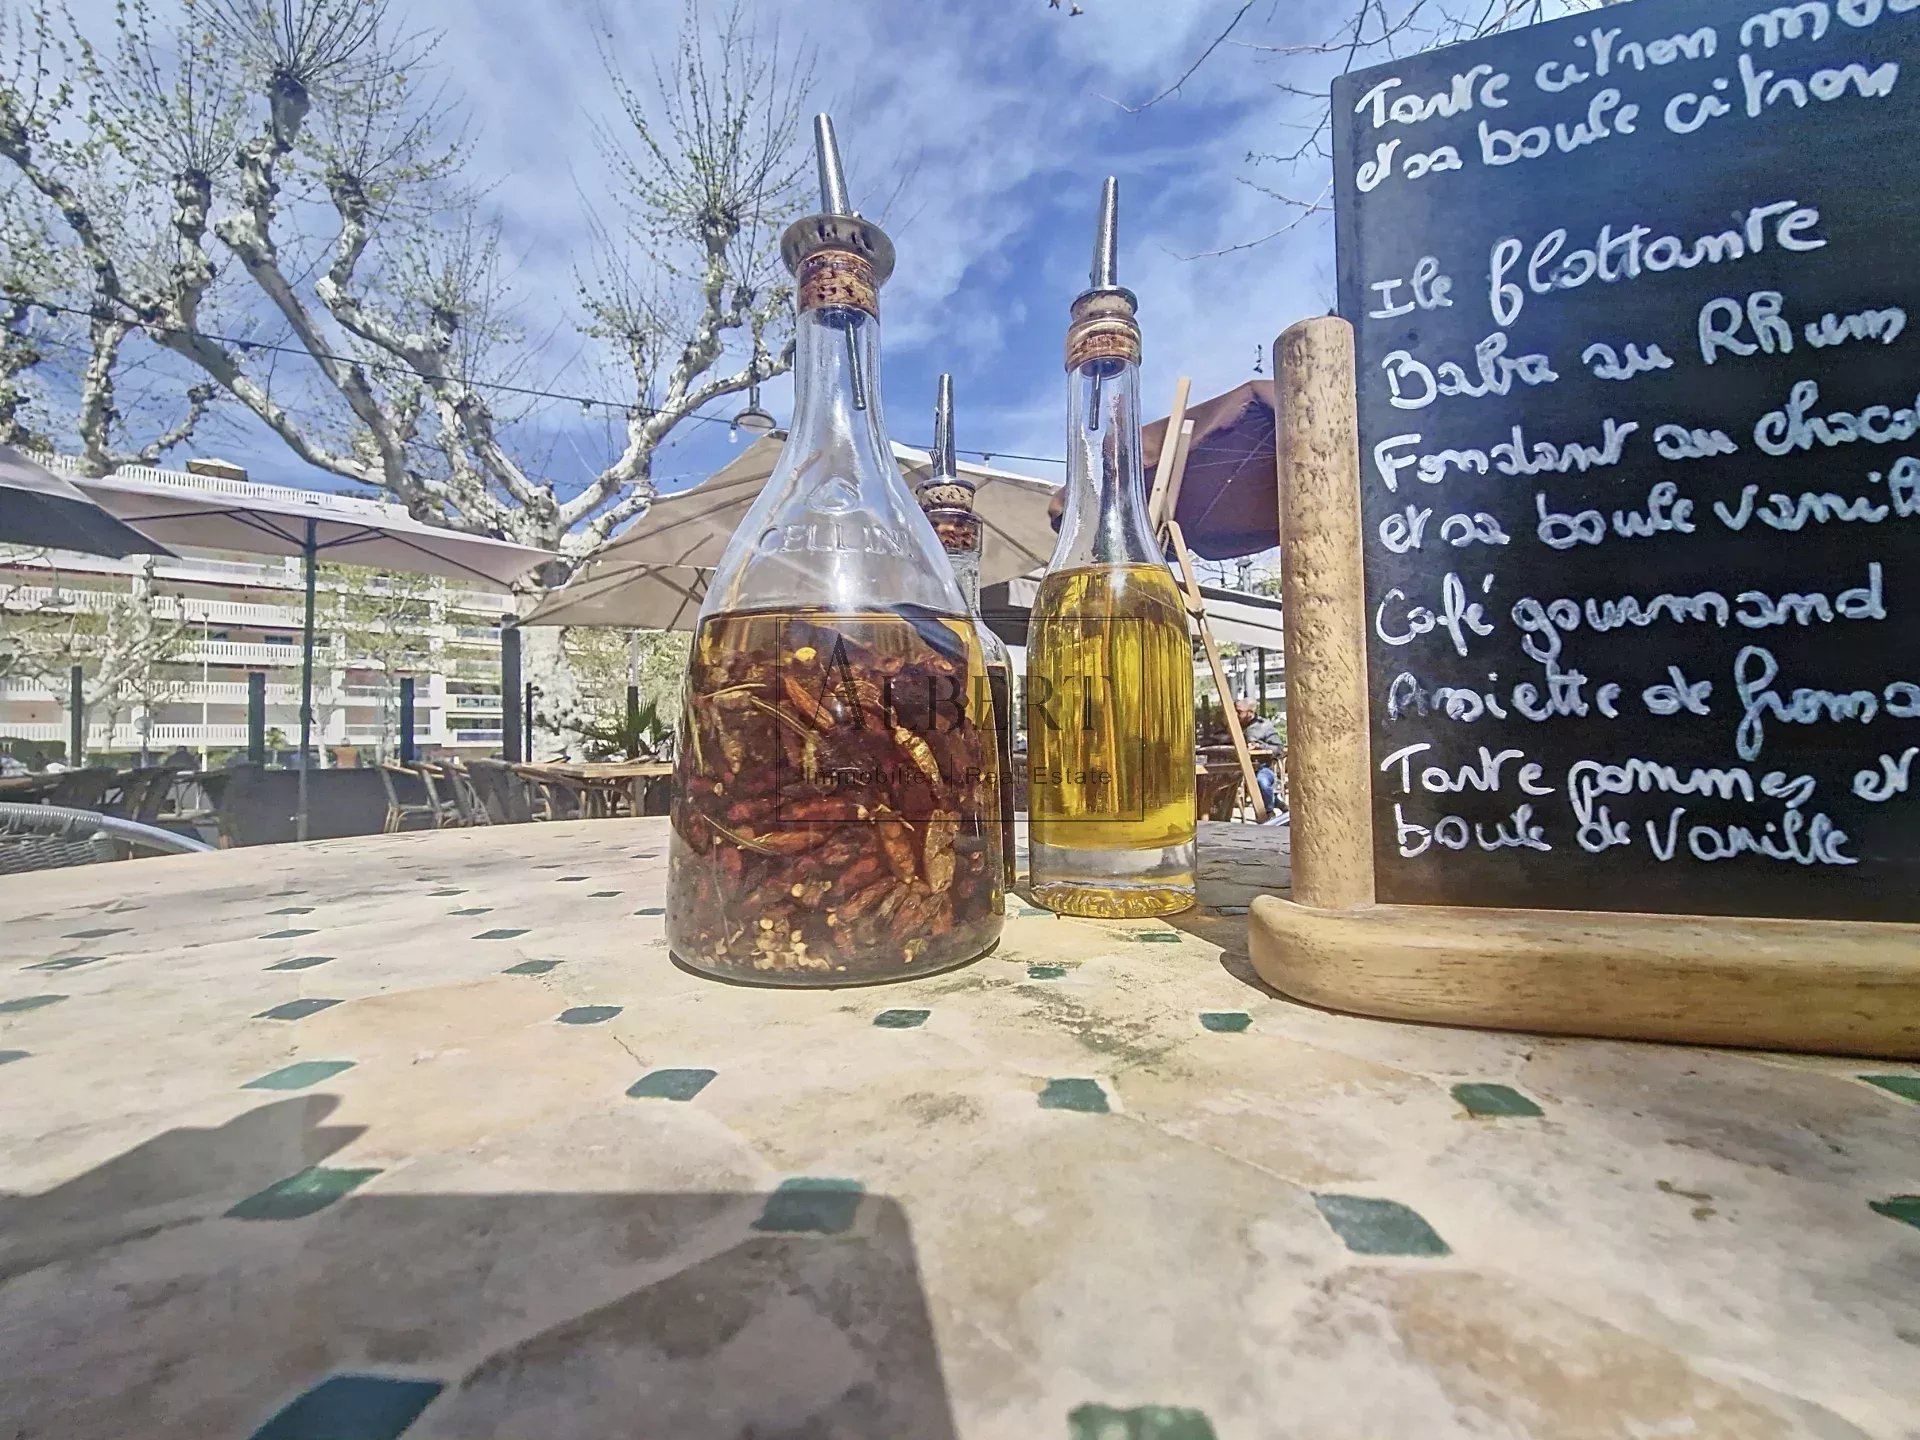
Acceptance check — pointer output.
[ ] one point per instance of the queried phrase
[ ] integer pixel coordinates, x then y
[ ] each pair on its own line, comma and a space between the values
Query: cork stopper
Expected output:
839, 259
1103, 325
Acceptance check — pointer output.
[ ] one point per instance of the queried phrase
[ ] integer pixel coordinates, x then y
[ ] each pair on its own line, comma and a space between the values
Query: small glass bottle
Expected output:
947, 497
836, 796
1109, 660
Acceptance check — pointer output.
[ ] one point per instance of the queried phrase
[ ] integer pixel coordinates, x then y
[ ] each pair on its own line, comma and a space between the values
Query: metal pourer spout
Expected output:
833, 180
1104, 278
945, 488
943, 461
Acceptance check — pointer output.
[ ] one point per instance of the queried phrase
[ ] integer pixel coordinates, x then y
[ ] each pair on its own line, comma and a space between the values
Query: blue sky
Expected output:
1003, 114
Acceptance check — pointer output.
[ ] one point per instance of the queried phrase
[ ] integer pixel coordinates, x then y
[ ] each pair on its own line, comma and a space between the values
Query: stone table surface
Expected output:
425, 1135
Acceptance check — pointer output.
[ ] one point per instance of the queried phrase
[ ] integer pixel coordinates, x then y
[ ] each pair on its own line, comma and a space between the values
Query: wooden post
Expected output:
1323, 612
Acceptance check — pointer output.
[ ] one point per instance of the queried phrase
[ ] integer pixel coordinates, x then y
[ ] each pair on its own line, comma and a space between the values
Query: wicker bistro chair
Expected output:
138, 794
83, 789
561, 798
505, 793
403, 780
52, 837
467, 803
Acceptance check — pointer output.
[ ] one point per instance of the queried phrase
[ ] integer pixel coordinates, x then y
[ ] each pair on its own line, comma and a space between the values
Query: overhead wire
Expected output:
587, 403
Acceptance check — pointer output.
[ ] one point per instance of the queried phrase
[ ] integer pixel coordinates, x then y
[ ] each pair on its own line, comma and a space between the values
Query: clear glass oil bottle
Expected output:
1110, 724
836, 791
947, 498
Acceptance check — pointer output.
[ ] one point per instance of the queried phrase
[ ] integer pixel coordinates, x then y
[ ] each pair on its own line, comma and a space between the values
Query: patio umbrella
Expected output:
1229, 495
45, 510
274, 520
651, 576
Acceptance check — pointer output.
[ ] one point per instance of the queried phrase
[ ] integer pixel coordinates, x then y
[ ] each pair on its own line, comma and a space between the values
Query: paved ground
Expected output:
425, 1135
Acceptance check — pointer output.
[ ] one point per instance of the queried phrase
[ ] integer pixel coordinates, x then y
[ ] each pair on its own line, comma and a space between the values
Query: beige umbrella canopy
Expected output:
654, 574
270, 520
40, 509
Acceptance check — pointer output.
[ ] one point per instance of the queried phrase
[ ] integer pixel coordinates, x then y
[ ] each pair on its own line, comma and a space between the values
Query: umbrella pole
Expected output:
306, 685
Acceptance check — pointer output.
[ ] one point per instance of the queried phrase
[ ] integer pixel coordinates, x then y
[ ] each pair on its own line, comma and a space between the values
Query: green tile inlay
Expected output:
1071, 1094
1368, 1226
29, 1002
296, 1009
603, 895
1907, 1087
301, 962
1045, 972
1143, 1422
293, 910
446, 891
588, 1014
570, 879
1165, 937
298, 1196
531, 967
288, 934
353, 1407
652, 910
810, 1205
65, 962
499, 934
299, 1075
1032, 910
1225, 1022
1487, 1100
7, 1057
472, 910
670, 1084
1898, 1207
95, 934
901, 1019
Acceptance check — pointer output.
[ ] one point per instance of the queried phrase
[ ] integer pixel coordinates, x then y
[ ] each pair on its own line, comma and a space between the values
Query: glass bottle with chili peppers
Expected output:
836, 794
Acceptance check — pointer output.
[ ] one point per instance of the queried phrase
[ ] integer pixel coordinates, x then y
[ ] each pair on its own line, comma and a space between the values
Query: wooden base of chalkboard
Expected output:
1837, 987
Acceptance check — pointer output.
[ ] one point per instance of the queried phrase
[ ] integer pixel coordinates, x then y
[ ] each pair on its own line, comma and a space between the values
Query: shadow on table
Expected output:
182, 1289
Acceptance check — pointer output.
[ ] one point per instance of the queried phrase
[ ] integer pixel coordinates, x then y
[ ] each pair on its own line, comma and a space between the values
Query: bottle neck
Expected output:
1106, 513
966, 573
836, 368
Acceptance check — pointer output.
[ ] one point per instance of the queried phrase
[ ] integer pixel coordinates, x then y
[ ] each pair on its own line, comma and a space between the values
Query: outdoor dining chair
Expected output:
506, 794
395, 779
51, 837
468, 807
83, 789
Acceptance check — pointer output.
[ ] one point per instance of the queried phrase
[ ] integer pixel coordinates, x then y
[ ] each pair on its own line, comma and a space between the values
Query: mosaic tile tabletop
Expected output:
423, 1135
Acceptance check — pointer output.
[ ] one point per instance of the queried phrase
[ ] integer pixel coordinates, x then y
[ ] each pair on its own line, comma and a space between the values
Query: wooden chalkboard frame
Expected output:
1838, 986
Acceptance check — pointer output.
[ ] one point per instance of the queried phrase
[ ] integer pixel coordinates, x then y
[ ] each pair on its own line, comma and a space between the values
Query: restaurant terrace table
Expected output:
425, 1134
629, 777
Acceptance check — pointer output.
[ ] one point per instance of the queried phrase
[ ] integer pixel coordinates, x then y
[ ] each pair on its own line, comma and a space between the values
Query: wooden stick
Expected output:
1170, 502
1172, 456
1197, 607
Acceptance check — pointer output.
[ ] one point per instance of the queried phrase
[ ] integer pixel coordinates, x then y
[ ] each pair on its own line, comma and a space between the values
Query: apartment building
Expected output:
226, 616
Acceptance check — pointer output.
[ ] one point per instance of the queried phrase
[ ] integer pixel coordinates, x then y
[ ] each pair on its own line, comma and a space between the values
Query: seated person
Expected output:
1261, 734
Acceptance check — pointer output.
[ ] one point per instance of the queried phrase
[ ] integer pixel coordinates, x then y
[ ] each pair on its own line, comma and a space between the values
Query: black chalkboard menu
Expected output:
1638, 334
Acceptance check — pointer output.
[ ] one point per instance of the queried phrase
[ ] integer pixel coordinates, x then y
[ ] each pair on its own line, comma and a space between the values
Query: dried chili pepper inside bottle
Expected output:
836, 796
947, 497
1109, 662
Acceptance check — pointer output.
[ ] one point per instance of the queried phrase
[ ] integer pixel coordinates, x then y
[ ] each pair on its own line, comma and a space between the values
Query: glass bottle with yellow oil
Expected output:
1109, 662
